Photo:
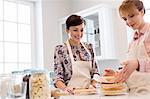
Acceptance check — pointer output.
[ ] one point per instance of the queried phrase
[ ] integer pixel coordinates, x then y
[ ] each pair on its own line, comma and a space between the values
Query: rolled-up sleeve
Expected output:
58, 69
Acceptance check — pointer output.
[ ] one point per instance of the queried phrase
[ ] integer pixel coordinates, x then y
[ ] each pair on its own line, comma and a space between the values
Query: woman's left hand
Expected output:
129, 67
92, 87
69, 90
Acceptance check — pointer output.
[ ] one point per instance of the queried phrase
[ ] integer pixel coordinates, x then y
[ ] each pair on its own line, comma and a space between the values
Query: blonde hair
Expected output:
131, 6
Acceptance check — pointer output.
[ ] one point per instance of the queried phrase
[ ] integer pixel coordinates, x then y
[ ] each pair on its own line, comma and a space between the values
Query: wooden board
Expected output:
57, 92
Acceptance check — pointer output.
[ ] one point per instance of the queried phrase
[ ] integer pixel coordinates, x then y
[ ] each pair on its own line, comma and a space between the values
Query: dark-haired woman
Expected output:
74, 63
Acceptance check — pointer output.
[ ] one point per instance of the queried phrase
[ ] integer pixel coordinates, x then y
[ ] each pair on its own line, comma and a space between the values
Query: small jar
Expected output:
52, 76
17, 76
39, 85
4, 82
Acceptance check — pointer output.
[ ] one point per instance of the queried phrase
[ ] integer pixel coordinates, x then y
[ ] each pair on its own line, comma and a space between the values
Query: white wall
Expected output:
39, 58
78, 5
53, 10
120, 35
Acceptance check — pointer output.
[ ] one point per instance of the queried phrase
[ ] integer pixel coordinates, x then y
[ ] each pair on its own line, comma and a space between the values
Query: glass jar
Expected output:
17, 88
17, 76
39, 85
4, 82
52, 76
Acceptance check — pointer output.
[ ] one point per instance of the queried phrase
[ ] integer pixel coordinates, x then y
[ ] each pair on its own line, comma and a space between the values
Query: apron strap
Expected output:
88, 53
86, 50
70, 52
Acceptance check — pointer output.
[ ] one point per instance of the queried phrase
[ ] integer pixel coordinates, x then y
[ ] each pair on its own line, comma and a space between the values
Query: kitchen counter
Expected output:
105, 97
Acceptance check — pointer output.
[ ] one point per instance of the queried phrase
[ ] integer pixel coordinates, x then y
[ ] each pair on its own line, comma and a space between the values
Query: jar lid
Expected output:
39, 70
17, 72
27, 71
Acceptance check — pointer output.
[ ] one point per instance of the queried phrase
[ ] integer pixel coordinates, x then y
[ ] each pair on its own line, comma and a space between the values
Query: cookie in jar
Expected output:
39, 85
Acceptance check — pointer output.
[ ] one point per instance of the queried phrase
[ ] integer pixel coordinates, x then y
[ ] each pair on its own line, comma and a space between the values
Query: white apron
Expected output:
81, 77
139, 82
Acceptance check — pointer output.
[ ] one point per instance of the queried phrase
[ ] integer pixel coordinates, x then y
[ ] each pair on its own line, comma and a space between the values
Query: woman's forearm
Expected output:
60, 85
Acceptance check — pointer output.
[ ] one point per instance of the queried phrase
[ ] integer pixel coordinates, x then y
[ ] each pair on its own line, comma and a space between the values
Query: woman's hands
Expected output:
62, 86
69, 90
109, 76
109, 72
129, 67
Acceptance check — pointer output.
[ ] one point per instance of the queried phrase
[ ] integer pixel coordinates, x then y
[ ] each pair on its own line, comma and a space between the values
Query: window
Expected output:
16, 20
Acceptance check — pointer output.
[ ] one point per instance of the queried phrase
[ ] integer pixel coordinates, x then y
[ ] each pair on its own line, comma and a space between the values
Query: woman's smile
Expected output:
77, 37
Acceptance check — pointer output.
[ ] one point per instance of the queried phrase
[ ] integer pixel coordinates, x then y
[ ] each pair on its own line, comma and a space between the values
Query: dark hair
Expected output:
74, 20
128, 5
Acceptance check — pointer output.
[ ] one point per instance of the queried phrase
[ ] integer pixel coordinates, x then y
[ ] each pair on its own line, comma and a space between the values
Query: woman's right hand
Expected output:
109, 72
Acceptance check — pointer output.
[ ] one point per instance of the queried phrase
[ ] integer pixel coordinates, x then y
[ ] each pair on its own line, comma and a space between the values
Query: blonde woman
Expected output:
136, 69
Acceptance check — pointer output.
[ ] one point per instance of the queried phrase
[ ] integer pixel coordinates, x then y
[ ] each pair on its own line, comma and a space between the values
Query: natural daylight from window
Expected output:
15, 35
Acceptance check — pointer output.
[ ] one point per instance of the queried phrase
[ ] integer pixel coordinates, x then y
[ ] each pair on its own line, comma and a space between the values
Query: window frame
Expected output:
31, 3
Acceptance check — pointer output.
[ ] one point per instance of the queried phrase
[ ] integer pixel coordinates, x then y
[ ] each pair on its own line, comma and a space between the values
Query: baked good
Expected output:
107, 79
113, 89
108, 87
